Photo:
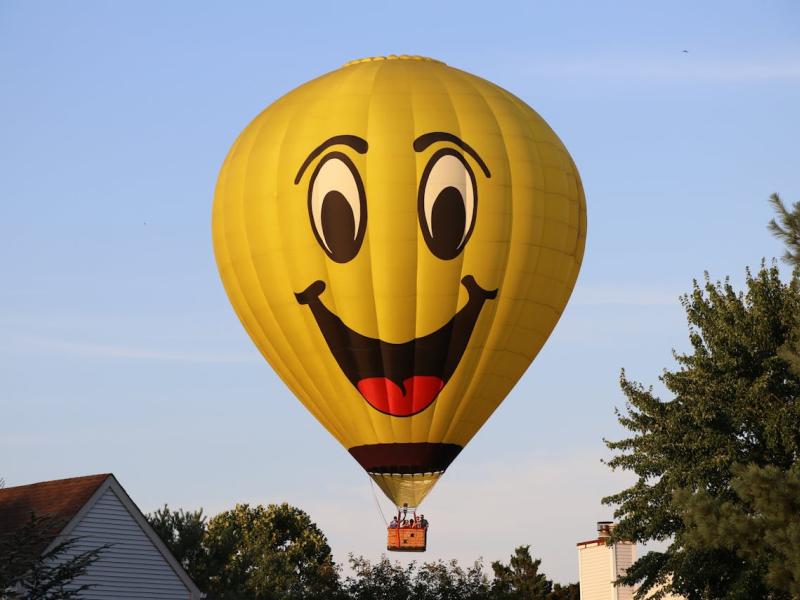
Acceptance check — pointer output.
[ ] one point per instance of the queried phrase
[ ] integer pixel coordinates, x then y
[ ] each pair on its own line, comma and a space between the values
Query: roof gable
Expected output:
111, 483
133, 565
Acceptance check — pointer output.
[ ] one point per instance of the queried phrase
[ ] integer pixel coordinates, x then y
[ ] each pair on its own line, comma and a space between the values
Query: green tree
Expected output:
268, 553
448, 581
734, 408
762, 524
383, 580
571, 591
520, 579
439, 580
183, 533
27, 572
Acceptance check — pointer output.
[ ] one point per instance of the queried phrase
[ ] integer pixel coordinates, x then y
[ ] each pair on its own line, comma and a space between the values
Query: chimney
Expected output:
604, 529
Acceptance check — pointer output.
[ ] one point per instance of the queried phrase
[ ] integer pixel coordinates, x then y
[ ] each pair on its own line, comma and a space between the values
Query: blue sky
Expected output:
119, 349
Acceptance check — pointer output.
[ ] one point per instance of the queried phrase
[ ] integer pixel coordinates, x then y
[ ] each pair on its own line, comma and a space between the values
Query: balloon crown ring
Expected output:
410, 57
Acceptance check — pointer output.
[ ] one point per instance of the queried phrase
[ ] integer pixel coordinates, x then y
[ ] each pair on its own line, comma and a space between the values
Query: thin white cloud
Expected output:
683, 68
624, 295
96, 350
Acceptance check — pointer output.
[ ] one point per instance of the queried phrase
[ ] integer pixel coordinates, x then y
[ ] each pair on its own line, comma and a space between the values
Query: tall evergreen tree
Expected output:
786, 227
520, 579
761, 525
27, 572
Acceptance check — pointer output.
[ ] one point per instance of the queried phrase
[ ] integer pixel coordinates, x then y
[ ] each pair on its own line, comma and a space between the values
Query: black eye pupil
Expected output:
448, 223
339, 226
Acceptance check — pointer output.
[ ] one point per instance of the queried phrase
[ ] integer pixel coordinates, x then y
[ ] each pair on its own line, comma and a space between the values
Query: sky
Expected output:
120, 353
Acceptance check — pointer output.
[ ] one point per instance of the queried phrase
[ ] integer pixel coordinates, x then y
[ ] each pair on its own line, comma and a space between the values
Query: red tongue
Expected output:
386, 396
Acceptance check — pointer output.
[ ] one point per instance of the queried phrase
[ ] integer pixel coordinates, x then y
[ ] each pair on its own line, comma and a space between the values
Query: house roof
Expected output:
61, 499
68, 501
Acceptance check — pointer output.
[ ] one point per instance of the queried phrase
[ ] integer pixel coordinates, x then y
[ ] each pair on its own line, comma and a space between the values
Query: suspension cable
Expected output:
378, 504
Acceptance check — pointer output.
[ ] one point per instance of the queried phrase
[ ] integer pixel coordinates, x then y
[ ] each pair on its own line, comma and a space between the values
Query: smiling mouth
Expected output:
403, 379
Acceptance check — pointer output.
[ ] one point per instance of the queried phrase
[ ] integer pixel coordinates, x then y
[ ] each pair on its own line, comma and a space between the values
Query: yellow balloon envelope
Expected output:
399, 238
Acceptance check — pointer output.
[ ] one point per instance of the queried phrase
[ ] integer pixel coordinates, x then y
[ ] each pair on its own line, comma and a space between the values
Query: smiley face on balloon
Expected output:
398, 379
399, 238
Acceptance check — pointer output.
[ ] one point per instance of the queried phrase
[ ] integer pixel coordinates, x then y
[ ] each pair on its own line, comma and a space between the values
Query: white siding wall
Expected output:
595, 565
133, 568
625, 557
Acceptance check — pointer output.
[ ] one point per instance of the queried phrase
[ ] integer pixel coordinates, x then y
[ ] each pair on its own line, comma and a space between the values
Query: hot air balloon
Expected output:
399, 238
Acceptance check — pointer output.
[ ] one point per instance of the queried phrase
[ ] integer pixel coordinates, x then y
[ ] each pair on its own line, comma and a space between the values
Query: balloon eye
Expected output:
447, 202
337, 207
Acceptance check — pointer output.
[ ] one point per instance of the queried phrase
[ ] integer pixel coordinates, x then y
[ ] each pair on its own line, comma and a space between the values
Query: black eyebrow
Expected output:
356, 143
426, 139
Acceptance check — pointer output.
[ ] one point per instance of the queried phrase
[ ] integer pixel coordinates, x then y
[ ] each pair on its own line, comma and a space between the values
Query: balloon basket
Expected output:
407, 534
406, 539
